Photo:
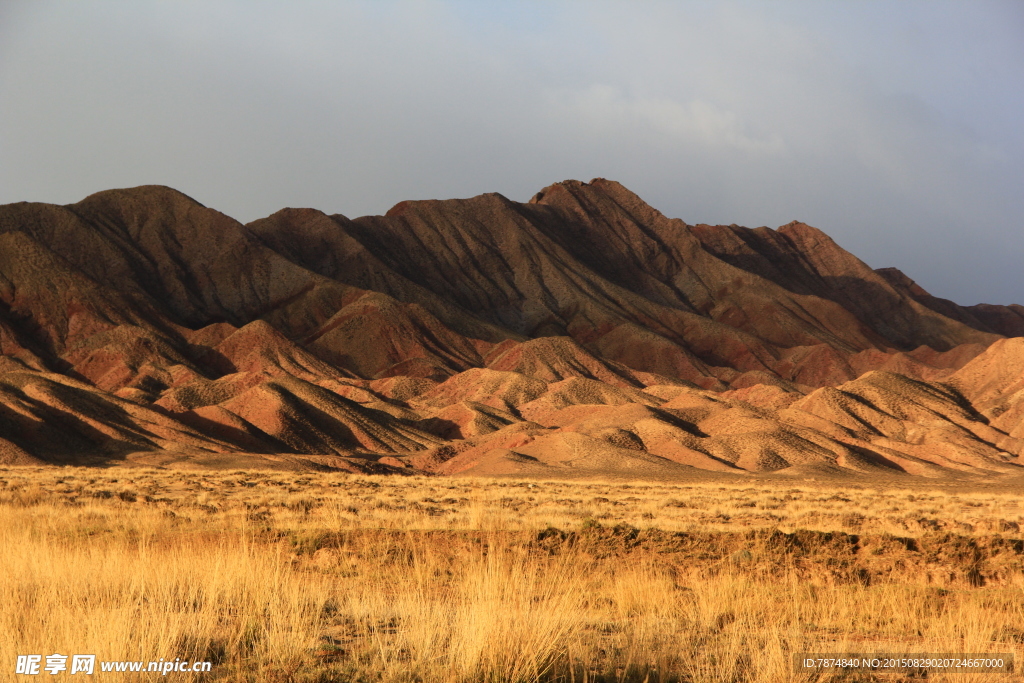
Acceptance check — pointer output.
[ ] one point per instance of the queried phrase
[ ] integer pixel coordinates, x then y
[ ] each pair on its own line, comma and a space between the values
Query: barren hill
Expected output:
581, 332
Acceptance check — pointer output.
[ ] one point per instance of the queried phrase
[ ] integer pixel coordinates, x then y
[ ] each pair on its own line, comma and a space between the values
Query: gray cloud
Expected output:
893, 127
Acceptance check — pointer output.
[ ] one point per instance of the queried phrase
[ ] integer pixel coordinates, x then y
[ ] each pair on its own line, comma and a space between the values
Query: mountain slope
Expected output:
582, 332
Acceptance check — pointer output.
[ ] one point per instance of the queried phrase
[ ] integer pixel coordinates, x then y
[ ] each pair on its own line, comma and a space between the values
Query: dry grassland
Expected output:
279, 576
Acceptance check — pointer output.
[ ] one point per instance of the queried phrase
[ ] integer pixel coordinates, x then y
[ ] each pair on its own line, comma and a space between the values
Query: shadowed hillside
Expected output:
580, 333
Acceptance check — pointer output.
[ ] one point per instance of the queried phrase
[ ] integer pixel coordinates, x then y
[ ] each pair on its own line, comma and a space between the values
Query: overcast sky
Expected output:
895, 127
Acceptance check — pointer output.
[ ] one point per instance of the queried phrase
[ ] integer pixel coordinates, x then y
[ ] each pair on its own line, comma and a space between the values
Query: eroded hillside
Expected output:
582, 332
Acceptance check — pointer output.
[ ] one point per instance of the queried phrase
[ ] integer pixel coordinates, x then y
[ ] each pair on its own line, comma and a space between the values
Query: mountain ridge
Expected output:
314, 335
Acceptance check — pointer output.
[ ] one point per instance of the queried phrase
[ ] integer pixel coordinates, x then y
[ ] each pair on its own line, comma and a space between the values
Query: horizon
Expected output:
892, 128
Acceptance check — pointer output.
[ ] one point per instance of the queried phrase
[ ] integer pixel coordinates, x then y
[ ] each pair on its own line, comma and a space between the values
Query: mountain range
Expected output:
580, 333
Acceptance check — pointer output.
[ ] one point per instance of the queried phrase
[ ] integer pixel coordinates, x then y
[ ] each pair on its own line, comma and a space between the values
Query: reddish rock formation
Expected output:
580, 332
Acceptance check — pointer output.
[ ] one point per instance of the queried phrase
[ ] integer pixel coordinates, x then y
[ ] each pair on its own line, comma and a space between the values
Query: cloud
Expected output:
604, 108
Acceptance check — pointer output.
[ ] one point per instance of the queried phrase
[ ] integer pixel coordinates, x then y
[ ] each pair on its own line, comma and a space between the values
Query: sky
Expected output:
895, 127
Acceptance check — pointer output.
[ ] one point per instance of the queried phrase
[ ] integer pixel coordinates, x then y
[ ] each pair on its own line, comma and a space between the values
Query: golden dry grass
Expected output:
334, 577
